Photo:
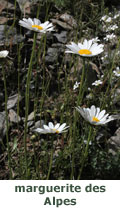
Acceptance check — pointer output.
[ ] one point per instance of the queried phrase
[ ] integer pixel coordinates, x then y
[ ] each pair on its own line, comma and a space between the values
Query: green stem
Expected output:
7, 123
81, 91
73, 160
18, 102
86, 152
79, 101
27, 101
50, 164
73, 146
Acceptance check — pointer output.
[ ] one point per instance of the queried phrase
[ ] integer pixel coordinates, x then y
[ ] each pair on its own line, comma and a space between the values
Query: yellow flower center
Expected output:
95, 119
38, 27
84, 52
56, 131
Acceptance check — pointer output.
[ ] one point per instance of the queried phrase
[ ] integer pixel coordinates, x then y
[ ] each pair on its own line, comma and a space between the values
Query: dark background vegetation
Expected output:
100, 164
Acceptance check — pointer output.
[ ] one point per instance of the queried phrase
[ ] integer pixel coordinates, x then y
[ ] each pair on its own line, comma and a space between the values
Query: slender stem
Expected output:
18, 102
27, 101
79, 101
7, 123
81, 91
73, 159
36, 162
73, 146
86, 152
36, 78
50, 164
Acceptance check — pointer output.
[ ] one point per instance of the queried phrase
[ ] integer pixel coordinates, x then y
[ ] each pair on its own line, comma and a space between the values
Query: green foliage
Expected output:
49, 93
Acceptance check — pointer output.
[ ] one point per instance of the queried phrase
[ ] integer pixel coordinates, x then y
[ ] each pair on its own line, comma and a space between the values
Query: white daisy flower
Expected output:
3, 53
94, 116
97, 83
36, 25
50, 128
87, 49
76, 85
117, 72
